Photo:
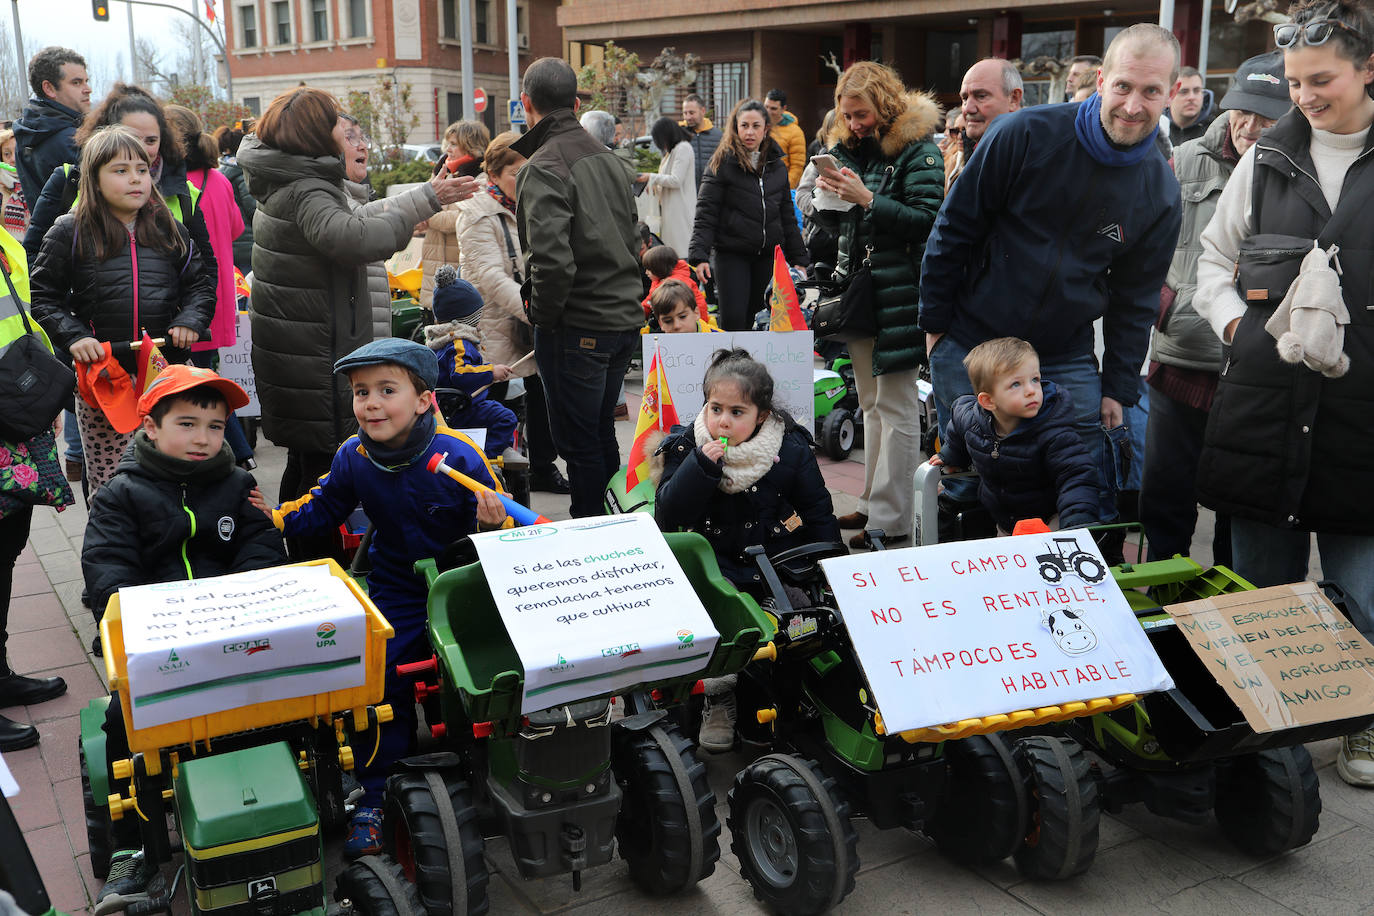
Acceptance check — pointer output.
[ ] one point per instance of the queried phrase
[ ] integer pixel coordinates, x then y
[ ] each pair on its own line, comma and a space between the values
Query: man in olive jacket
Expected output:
577, 228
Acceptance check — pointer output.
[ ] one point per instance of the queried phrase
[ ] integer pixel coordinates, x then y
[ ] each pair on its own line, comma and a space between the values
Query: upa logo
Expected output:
1070, 632
325, 633
248, 646
174, 664
685, 636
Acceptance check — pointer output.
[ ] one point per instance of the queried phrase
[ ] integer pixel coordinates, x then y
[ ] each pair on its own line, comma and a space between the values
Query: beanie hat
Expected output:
455, 299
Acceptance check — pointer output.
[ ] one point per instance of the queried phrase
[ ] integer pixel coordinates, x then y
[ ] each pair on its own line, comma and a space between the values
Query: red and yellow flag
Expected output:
656, 411
784, 310
150, 363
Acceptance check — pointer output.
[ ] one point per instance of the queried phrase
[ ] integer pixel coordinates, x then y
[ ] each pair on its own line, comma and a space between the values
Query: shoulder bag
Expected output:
34, 384
845, 311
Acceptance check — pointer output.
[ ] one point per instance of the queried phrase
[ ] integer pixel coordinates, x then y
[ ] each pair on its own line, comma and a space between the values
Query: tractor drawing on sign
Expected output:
1069, 555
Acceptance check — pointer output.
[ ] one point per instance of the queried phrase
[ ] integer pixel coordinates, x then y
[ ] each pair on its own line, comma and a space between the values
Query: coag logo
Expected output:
625, 651
248, 646
326, 633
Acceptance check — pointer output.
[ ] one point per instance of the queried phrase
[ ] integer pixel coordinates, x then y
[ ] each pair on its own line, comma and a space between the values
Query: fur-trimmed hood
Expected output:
438, 336
923, 114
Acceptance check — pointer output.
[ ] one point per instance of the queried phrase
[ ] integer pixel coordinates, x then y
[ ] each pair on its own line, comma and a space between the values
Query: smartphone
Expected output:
825, 161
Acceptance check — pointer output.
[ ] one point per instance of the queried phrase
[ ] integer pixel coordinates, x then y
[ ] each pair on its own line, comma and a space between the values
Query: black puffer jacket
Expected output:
43, 140
689, 498
1040, 469
747, 214
141, 530
172, 291
243, 245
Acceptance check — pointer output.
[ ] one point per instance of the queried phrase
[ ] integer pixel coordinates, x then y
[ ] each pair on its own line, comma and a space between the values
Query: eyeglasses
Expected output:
1314, 33
357, 138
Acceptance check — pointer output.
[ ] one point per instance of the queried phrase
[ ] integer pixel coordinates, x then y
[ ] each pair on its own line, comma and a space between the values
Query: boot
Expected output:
17, 690
549, 480
1355, 762
15, 736
717, 734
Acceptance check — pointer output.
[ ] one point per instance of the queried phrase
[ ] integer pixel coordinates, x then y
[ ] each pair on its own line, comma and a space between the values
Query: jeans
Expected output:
1168, 486
1136, 419
1267, 555
740, 283
71, 437
233, 428
582, 372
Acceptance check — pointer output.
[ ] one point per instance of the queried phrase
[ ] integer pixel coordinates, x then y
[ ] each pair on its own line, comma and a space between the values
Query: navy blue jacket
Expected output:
43, 141
1037, 240
1040, 469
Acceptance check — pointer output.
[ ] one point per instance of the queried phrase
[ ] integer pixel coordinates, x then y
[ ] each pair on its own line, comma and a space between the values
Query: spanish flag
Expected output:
784, 311
150, 363
656, 411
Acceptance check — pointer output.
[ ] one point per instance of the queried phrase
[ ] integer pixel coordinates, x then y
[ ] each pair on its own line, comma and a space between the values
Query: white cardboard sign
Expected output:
977, 628
213, 644
236, 363
594, 605
789, 356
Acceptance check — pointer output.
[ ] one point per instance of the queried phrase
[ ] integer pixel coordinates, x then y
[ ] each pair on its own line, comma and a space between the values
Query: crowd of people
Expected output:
1052, 267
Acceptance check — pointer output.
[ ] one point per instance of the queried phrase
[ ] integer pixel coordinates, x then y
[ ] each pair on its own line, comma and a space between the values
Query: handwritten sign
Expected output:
1284, 654
594, 605
977, 628
228, 641
789, 356
236, 363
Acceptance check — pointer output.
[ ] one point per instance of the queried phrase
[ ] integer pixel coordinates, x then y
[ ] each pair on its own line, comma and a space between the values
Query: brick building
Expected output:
341, 45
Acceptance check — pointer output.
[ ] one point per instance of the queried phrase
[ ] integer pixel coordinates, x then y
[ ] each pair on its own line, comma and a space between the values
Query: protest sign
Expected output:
977, 628
1284, 655
236, 363
594, 605
208, 645
788, 355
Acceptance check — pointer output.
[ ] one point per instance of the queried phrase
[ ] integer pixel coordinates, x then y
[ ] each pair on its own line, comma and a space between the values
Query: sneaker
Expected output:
1355, 762
717, 735
549, 480
131, 879
96, 648
622, 411
364, 833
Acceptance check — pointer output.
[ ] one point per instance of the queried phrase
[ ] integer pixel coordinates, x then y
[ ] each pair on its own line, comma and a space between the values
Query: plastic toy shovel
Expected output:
522, 515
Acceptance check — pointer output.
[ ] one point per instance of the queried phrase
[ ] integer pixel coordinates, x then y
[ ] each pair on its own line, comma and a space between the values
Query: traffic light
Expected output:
100, 10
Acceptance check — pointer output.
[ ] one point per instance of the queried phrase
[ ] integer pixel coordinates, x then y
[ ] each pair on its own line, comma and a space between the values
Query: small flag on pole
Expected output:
784, 310
656, 411
150, 363
210, 11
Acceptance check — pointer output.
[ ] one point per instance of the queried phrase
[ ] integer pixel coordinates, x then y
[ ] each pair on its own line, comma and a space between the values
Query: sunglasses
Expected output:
954, 131
1315, 33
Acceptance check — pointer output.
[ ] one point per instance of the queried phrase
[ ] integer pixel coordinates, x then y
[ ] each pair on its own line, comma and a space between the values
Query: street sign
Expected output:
479, 99
517, 112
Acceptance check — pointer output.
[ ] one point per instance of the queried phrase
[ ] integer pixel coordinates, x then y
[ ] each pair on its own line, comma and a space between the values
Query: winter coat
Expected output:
223, 223
787, 134
704, 142
1198, 129
420, 203
1183, 338
676, 190
243, 245
1038, 240
681, 271
1040, 469
746, 213
310, 305
491, 263
134, 289
145, 529
43, 141
1285, 445
577, 230
457, 347
896, 224
440, 246
788, 506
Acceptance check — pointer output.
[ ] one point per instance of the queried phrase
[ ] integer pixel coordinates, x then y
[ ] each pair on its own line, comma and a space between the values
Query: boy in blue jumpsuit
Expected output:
414, 515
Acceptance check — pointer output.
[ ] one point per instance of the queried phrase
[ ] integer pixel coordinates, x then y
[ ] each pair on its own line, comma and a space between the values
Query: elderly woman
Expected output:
464, 144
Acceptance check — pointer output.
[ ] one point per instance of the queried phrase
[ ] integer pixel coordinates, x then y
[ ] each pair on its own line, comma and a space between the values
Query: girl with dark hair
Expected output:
1286, 450
744, 209
675, 184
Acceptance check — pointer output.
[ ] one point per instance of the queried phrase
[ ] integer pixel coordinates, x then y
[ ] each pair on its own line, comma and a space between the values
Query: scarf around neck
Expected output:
746, 463
182, 470
501, 197
1087, 124
390, 458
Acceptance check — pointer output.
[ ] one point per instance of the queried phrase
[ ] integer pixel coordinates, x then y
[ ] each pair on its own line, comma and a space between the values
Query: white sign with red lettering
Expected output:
977, 628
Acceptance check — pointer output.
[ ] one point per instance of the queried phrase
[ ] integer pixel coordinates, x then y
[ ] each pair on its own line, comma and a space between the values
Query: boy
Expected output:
457, 310
661, 263
674, 307
414, 514
177, 507
1018, 433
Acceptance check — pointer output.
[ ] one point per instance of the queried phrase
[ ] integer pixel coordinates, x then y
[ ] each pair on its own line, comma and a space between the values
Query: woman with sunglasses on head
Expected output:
1287, 449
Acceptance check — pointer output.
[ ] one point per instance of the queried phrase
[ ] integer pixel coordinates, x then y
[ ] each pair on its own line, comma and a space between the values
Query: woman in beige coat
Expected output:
492, 261
464, 143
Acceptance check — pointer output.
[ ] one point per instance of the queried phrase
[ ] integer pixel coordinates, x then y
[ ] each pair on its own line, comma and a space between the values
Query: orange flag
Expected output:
656, 411
150, 363
784, 310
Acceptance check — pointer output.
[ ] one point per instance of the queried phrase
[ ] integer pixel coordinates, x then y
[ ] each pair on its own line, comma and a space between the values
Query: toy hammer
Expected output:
522, 515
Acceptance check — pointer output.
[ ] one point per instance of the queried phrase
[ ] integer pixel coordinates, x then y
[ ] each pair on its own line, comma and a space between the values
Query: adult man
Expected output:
1069, 216
1079, 65
991, 88
705, 137
577, 227
1190, 111
43, 133
604, 126
787, 133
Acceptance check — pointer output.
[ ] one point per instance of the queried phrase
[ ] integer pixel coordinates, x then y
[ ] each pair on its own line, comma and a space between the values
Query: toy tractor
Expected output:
839, 429
1068, 555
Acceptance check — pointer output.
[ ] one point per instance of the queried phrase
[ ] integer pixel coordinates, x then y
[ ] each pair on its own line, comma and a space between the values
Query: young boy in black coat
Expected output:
1017, 432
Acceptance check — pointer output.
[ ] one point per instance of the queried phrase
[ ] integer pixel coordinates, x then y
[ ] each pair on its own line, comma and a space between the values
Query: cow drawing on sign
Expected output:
1069, 631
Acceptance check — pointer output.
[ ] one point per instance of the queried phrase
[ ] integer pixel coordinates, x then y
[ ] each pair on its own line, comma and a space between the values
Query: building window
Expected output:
252, 104
722, 86
248, 15
522, 26
319, 20
281, 17
484, 32
448, 19
357, 19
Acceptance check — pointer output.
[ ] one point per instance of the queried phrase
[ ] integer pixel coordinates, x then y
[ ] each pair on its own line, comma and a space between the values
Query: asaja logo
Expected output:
562, 664
173, 665
326, 633
248, 646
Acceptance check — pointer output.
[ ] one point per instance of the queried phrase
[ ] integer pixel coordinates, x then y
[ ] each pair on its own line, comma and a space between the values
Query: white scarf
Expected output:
746, 463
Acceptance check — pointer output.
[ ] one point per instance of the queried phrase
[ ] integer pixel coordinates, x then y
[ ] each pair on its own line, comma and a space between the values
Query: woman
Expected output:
310, 257
893, 173
675, 184
464, 144
229, 139
15, 211
493, 261
1287, 450
744, 210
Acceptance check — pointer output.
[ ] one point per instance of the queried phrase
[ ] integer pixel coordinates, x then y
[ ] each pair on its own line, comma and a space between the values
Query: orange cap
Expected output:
106, 386
178, 378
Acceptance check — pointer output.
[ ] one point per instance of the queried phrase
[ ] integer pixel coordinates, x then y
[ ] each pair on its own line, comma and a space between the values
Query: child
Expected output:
117, 265
1018, 433
674, 308
660, 264
457, 310
176, 508
414, 513
743, 474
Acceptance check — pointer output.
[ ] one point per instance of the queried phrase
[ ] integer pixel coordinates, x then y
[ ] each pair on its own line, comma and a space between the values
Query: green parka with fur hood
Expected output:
896, 224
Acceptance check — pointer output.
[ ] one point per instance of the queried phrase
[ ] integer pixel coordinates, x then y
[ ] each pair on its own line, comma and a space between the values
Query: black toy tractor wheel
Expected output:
1088, 568
1051, 572
667, 829
790, 831
430, 827
99, 829
1269, 802
984, 812
376, 886
1062, 840
837, 434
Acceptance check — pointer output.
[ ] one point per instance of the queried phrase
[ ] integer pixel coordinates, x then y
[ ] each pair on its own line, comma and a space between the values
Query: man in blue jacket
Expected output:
1064, 214
43, 133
